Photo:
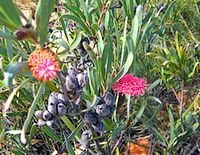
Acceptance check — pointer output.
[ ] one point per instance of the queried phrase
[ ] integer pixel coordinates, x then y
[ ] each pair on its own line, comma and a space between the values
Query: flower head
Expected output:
130, 85
43, 64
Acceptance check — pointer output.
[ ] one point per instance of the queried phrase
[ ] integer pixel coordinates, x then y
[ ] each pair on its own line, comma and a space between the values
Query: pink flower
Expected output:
130, 85
43, 64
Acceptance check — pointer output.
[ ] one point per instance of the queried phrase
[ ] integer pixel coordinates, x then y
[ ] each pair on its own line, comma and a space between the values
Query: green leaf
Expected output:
125, 68
75, 11
117, 131
9, 11
30, 113
43, 13
109, 125
76, 131
81, 22
172, 126
32, 132
136, 24
6, 35
72, 128
76, 41
70, 148
11, 96
123, 42
100, 43
139, 114
61, 42
155, 131
153, 85
171, 6
93, 81
51, 134
11, 71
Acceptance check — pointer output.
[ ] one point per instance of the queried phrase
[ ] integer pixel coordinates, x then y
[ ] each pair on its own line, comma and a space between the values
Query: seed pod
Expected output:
90, 118
63, 99
52, 103
109, 98
41, 122
47, 115
102, 110
71, 83
38, 113
72, 71
84, 141
51, 107
62, 110
78, 100
112, 109
82, 79
99, 127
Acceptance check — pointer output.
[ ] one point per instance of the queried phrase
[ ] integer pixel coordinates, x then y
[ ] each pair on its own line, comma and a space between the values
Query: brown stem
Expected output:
180, 100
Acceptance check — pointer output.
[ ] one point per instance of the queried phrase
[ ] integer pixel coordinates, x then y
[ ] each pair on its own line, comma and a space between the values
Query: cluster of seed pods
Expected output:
59, 103
104, 108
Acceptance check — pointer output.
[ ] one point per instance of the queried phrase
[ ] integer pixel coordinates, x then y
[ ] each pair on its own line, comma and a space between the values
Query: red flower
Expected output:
43, 64
130, 85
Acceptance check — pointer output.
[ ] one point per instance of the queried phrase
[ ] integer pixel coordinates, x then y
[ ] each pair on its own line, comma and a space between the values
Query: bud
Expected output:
47, 115
70, 83
82, 79
49, 123
99, 127
90, 118
85, 138
103, 110
109, 98
62, 110
72, 71
41, 122
63, 99
25, 33
52, 103
38, 113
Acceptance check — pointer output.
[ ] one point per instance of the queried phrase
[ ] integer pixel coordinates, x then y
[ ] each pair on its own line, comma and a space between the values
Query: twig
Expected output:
180, 100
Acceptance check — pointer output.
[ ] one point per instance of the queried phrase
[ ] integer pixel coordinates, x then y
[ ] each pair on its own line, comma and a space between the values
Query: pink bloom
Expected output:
43, 64
130, 85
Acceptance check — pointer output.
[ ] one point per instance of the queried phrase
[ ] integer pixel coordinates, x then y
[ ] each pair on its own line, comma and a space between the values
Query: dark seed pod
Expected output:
38, 113
99, 127
90, 118
82, 79
112, 109
84, 141
103, 110
63, 99
109, 98
70, 83
47, 115
62, 110
41, 122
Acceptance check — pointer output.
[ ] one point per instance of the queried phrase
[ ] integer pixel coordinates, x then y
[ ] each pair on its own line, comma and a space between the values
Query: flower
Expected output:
43, 64
130, 85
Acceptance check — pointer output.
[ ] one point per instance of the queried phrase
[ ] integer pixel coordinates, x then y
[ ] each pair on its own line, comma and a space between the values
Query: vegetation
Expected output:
100, 77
